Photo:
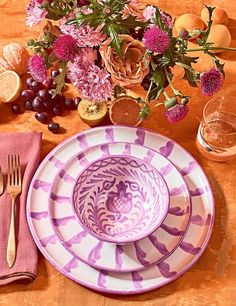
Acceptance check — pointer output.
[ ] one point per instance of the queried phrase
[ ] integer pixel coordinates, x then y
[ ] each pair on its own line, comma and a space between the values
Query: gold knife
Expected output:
1, 182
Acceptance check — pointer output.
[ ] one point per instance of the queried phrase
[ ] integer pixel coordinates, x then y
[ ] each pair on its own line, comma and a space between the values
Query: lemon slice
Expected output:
10, 86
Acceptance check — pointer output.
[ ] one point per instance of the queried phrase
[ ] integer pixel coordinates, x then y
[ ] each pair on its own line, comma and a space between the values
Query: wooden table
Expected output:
212, 280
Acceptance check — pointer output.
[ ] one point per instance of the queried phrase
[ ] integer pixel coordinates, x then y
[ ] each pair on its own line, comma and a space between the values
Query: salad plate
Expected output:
132, 256
185, 255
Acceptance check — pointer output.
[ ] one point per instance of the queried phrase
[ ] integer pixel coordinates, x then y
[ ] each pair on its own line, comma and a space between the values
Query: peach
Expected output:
189, 22
220, 36
219, 16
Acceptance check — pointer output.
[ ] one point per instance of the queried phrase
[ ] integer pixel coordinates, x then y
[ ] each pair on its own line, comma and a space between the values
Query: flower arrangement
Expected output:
104, 46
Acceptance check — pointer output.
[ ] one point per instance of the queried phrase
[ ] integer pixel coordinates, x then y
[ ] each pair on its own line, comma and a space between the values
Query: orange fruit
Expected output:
189, 22
10, 86
4, 66
125, 111
17, 57
220, 36
219, 16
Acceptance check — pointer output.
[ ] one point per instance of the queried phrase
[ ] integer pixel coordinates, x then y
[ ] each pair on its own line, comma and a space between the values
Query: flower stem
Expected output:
166, 95
149, 89
210, 48
185, 66
176, 92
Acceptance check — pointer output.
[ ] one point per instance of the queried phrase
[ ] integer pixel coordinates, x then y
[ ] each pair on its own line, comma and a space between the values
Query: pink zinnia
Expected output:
34, 12
156, 40
211, 81
37, 68
92, 82
65, 47
85, 35
176, 113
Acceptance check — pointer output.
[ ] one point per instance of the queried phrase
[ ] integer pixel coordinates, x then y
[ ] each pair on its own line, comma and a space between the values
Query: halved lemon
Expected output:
10, 86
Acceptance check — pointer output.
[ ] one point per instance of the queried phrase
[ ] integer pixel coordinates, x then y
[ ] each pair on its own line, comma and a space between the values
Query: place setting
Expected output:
116, 207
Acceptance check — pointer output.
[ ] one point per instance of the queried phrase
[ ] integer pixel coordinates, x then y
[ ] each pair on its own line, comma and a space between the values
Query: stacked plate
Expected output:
120, 210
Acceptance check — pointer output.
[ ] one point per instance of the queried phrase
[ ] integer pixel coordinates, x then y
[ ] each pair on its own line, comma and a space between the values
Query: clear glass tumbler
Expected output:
216, 138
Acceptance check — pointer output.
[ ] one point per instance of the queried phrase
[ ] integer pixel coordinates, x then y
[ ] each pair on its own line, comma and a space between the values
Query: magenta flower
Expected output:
92, 82
34, 12
37, 68
85, 35
65, 47
211, 81
156, 40
176, 113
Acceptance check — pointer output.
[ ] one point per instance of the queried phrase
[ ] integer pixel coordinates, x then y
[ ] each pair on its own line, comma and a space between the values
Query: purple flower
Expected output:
92, 82
176, 113
156, 40
65, 47
85, 35
211, 81
34, 12
37, 68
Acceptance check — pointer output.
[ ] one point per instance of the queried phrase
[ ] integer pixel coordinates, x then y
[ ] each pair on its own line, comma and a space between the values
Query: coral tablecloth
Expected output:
212, 280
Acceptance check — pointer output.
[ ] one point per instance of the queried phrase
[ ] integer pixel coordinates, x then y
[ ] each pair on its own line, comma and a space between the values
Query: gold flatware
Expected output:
1, 182
14, 190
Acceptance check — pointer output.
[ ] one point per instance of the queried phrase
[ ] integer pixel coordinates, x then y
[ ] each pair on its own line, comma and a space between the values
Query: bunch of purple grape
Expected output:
39, 97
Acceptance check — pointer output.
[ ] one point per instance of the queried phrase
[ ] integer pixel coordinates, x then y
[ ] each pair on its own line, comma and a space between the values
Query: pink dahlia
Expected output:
85, 35
176, 113
211, 81
37, 68
156, 40
92, 82
166, 19
65, 47
34, 12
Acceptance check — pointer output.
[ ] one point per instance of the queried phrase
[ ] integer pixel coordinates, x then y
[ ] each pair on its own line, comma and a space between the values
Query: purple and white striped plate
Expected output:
129, 257
155, 276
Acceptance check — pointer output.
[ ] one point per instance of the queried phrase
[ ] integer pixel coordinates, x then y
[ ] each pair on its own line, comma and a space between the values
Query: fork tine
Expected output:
15, 169
9, 176
18, 170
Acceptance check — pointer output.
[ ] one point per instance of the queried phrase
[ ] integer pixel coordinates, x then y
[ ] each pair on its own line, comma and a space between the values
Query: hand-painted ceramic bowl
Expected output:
120, 199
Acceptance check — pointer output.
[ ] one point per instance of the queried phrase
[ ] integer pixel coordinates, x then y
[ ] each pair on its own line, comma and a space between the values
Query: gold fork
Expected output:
1, 182
13, 189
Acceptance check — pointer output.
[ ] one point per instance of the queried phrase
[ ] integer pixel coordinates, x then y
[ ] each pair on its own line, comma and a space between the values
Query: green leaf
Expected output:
115, 42
190, 77
60, 80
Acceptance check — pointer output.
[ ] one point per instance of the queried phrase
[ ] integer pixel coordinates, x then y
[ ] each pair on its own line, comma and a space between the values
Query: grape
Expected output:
48, 104
43, 94
55, 73
29, 82
69, 102
51, 92
28, 94
53, 127
16, 108
37, 104
48, 83
77, 101
28, 105
41, 117
59, 99
56, 110
35, 86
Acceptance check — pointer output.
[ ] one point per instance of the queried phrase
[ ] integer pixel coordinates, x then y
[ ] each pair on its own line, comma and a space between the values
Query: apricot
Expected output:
219, 16
220, 36
189, 22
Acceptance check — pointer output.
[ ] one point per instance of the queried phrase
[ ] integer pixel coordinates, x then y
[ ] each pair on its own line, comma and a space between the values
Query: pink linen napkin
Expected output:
28, 146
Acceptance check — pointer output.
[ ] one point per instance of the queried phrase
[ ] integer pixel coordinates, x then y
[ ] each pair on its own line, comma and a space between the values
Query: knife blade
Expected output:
1, 182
